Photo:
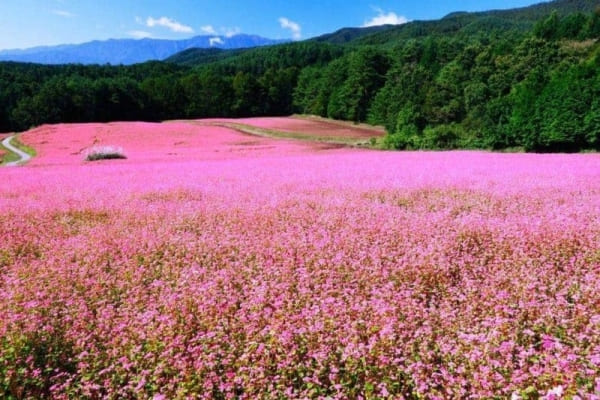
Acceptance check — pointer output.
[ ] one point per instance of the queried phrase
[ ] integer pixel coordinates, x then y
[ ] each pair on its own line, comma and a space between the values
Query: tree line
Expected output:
538, 90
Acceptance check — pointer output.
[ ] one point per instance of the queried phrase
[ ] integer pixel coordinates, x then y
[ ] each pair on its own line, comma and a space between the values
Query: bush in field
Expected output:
407, 134
104, 153
443, 137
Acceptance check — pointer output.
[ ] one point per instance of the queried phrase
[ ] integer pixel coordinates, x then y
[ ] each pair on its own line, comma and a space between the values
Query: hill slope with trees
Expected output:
523, 78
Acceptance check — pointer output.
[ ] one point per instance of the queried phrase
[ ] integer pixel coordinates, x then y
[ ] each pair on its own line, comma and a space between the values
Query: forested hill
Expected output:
524, 78
468, 24
347, 35
519, 19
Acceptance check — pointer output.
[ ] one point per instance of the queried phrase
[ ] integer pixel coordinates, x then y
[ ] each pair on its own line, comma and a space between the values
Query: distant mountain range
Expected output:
129, 51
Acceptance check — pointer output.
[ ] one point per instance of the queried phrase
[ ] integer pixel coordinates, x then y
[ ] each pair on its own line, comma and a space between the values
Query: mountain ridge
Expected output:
129, 51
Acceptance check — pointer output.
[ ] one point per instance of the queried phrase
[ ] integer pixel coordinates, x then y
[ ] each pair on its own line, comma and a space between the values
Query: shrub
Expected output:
443, 137
104, 153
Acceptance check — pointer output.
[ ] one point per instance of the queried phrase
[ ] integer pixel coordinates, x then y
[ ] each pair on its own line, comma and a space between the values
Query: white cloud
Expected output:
169, 24
208, 29
139, 34
215, 40
220, 32
63, 13
229, 32
292, 26
383, 18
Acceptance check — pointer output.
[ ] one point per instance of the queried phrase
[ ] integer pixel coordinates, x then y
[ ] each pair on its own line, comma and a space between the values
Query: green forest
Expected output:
520, 79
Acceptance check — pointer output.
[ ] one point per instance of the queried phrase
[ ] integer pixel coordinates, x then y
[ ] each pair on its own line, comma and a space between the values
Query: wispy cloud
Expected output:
169, 24
139, 34
229, 32
63, 13
215, 41
383, 18
208, 29
292, 26
222, 31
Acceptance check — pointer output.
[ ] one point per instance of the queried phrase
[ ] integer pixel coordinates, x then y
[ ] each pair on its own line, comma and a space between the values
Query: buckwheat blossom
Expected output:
213, 264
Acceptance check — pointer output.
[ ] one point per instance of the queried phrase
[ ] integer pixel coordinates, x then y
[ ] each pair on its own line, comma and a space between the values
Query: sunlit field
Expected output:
213, 264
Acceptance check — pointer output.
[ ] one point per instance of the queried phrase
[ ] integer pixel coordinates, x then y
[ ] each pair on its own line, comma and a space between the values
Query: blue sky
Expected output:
27, 23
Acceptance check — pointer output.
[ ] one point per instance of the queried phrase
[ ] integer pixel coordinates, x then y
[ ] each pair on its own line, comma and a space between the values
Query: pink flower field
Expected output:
215, 265
150, 142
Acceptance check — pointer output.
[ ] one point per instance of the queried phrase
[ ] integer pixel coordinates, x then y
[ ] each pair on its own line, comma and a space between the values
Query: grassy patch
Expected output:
375, 128
7, 156
23, 147
271, 133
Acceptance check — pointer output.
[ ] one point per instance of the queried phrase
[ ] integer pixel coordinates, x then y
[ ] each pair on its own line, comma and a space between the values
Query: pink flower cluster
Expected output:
287, 272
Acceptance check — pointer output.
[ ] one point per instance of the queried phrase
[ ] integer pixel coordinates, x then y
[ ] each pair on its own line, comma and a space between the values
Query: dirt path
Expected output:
24, 157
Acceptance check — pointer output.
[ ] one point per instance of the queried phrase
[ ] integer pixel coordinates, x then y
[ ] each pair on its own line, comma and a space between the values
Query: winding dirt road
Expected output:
24, 157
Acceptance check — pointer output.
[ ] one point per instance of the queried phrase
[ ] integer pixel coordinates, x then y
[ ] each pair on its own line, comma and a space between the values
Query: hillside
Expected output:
128, 51
347, 35
200, 56
465, 23
258, 60
468, 24
537, 11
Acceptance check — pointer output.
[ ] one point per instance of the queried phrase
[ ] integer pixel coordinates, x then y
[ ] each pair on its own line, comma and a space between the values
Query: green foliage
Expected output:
562, 107
524, 124
592, 28
195, 56
366, 74
406, 83
548, 28
317, 90
307, 97
407, 133
450, 136
207, 94
278, 86
258, 60
247, 95
348, 35
572, 26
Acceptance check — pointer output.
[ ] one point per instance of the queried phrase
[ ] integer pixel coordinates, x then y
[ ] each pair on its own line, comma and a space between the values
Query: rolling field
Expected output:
305, 128
215, 264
